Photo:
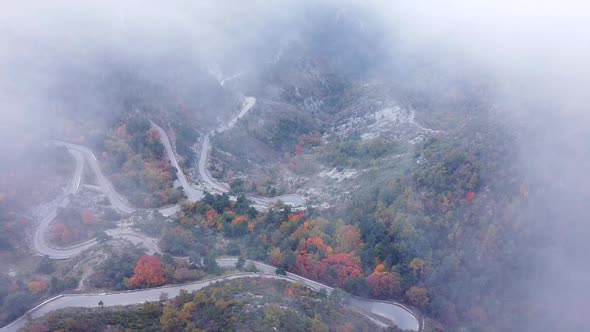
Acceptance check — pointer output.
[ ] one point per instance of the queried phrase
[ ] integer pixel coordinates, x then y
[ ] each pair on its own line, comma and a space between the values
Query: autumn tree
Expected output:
384, 284
88, 218
418, 296
348, 327
61, 233
317, 325
316, 245
121, 131
275, 255
170, 320
38, 286
148, 272
348, 239
420, 268
380, 268
338, 269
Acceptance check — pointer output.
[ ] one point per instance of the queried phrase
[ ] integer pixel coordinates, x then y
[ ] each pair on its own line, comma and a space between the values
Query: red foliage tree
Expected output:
298, 150
88, 218
470, 196
164, 197
384, 284
338, 269
61, 233
334, 270
38, 286
304, 266
148, 272
58, 228
153, 135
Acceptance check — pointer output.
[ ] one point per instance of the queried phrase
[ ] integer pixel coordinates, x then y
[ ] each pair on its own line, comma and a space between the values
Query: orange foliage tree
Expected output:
380, 268
38, 286
211, 216
239, 219
296, 216
316, 245
418, 296
148, 272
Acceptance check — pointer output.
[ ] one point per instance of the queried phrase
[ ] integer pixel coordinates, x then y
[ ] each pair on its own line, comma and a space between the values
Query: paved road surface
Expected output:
218, 187
82, 154
212, 184
39, 243
389, 312
118, 201
192, 193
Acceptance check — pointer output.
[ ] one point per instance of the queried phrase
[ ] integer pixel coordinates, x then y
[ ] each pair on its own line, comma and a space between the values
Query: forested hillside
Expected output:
239, 305
434, 155
424, 187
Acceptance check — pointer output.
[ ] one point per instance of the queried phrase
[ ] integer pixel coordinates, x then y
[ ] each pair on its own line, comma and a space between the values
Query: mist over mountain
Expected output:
447, 141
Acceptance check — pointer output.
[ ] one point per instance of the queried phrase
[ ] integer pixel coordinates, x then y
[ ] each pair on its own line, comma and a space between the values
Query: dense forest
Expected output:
450, 225
431, 237
316, 248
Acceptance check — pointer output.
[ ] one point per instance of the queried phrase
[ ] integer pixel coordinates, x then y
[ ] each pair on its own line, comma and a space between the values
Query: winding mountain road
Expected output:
84, 155
389, 312
382, 313
192, 193
118, 201
215, 186
211, 184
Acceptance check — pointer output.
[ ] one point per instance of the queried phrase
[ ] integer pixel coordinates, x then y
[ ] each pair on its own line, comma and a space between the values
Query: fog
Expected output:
537, 52
534, 54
